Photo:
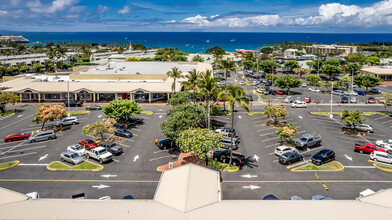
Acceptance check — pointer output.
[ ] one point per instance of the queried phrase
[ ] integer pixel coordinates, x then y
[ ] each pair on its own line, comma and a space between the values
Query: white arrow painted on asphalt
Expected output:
299, 116
251, 187
239, 116
348, 158
20, 116
99, 116
100, 186
108, 176
249, 176
135, 158
160, 116
256, 157
43, 157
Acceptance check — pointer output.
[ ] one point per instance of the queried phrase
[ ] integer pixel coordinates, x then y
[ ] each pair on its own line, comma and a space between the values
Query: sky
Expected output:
310, 16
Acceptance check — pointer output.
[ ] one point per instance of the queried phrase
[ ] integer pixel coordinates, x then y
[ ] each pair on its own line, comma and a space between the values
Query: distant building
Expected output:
382, 72
13, 39
290, 53
105, 55
31, 59
328, 49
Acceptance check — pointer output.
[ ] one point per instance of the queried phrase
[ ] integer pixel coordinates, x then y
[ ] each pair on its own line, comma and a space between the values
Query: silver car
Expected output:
67, 121
364, 127
42, 136
71, 157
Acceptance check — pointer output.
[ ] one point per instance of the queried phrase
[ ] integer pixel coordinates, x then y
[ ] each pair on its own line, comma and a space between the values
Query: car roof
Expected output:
69, 152
106, 142
164, 140
15, 133
87, 140
325, 150
288, 154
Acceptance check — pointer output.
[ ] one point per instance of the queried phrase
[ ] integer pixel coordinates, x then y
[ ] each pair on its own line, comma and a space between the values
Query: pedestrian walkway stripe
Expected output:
315, 174
325, 187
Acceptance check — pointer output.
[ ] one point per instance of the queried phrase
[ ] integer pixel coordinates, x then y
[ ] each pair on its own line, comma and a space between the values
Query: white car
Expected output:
381, 156
77, 149
259, 90
283, 149
314, 89
298, 104
288, 99
304, 84
242, 83
350, 92
383, 143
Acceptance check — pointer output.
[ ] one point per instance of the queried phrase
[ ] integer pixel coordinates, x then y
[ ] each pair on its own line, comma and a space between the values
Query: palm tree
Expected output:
234, 94
175, 74
227, 66
192, 82
208, 87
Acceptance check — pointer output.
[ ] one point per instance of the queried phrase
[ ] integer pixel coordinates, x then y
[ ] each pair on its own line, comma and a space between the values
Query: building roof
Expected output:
9, 196
378, 70
182, 188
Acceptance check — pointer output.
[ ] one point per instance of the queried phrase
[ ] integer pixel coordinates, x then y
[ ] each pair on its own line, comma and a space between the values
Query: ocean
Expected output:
198, 42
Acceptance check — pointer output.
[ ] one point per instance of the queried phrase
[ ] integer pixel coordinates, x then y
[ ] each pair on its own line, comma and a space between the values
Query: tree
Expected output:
350, 67
344, 80
24, 68
325, 84
121, 109
38, 67
333, 62
287, 82
180, 98
209, 89
227, 66
301, 71
234, 94
291, 64
366, 81
312, 79
192, 81
356, 57
183, 117
248, 64
287, 132
11, 70
175, 74
8, 98
199, 141
352, 118
99, 128
267, 50
197, 58
2, 70
315, 64
48, 113
55, 54
387, 97
271, 77
268, 65
216, 50
330, 70
373, 60
274, 112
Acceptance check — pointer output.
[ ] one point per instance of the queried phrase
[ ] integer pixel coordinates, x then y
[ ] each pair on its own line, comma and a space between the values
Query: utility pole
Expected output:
352, 80
69, 110
330, 114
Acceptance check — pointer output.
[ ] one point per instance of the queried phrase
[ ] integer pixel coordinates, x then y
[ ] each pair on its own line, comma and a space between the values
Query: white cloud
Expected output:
125, 10
77, 9
172, 21
260, 20
213, 16
102, 9
57, 5
3, 12
14, 2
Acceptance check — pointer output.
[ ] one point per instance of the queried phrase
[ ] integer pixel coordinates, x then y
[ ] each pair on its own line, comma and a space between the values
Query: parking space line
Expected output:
20, 155
267, 134
385, 116
31, 148
265, 129
269, 139
160, 158
32, 164
136, 129
260, 125
16, 122
275, 161
124, 145
317, 148
272, 145
360, 167
379, 135
386, 122
160, 151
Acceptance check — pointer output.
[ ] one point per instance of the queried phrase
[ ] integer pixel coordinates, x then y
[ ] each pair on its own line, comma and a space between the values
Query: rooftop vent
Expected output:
137, 73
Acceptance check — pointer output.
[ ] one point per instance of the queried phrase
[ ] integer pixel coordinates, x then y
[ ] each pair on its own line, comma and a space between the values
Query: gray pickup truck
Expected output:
307, 140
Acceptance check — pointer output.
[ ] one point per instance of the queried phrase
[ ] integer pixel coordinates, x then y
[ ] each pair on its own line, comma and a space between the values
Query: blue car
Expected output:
360, 92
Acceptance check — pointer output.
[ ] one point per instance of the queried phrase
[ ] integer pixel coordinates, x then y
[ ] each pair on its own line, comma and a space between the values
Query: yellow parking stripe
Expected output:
16, 122
325, 187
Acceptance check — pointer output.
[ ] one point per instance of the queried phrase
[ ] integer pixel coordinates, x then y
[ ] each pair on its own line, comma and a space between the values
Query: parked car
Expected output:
344, 99
367, 148
99, 153
224, 157
337, 92
165, 144
383, 143
381, 156
374, 91
279, 92
42, 136
363, 127
66, 121
289, 99
371, 100
304, 85
230, 142
290, 157
123, 133
93, 107
352, 92
307, 99
298, 104
270, 197
242, 83
76, 148
283, 149
250, 97
111, 147
313, 89
226, 131
71, 157
268, 83
307, 140
360, 92
87, 143
353, 99
323, 156
16, 137
73, 103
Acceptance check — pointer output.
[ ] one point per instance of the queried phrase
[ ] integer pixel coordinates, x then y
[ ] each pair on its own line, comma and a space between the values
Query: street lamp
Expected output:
69, 110
330, 114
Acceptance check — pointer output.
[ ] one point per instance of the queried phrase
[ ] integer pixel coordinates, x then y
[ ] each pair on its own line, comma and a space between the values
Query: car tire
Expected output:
318, 143
73, 123
87, 156
234, 163
361, 151
32, 141
215, 159
375, 160
100, 161
62, 160
369, 131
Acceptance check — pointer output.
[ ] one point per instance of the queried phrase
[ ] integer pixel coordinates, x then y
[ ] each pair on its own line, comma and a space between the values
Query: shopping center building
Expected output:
139, 81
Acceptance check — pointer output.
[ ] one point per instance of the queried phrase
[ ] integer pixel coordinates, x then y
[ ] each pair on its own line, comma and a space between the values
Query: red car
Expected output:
279, 92
371, 100
307, 99
368, 148
87, 143
16, 137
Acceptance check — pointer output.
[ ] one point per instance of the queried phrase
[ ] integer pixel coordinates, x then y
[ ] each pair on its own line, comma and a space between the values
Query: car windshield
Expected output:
285, 156
103, 151
303, 139
22, 133
78, 147
73, 156
90, 142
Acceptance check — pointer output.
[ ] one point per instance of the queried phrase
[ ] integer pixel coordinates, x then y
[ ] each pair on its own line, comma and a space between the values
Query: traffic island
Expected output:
383, 167
85, 166
222, 166
333, 166
147, 112
4, 166
255, 113
78, 112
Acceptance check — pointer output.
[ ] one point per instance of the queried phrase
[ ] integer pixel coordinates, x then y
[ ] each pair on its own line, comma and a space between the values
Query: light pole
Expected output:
330, 114
352, 80
69, 110
318, 66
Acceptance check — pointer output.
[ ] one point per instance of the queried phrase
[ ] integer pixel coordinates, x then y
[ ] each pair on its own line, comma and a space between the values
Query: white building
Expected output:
328, 49
31, 59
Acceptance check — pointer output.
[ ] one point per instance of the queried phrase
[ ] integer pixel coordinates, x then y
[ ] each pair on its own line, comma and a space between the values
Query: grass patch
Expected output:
7, 165
374, 113
221, 166
255, 113
8, 112
334, 165
79, 112
86, 165
147, 112
324, 113
383, 167
248, 83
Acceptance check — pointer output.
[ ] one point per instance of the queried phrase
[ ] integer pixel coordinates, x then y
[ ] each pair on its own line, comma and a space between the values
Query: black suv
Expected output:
224, 157
344, 99
73, 103
375, 91
323, 156
165, 144
123, 133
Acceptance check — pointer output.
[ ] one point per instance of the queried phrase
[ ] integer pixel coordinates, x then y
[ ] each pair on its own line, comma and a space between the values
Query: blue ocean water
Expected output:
200, 41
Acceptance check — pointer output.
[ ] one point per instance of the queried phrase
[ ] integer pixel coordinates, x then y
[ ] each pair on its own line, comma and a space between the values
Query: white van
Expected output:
298, 104
381, 156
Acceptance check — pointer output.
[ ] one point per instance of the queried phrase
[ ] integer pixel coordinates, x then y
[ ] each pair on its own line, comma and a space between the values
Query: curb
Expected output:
337, 170
93, 170
232, 171
17, 162
375, 165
